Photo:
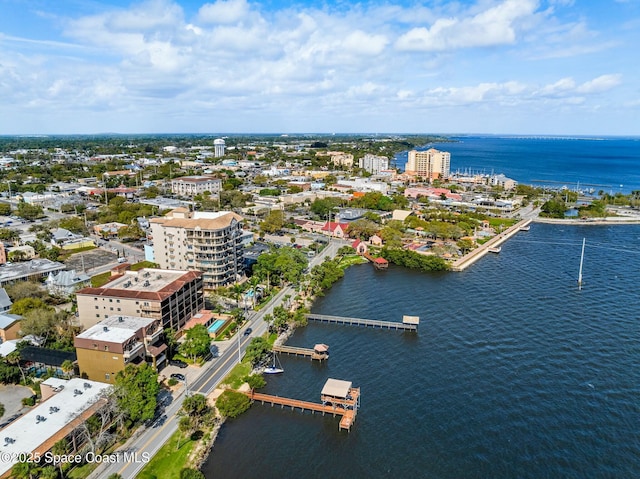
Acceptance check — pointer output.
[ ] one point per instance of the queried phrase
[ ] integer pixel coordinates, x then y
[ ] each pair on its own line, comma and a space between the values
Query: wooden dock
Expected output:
348, 409
370, 323
306, 352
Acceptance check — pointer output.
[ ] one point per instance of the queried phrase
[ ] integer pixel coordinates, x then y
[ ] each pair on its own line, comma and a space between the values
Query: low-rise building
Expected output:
171, 296
108, 346
68, 403
29, 270
65, 283
196, 185
9, 326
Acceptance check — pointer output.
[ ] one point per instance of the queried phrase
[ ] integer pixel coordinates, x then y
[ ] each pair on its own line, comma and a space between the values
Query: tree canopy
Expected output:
232, 403
196, 343
136, 391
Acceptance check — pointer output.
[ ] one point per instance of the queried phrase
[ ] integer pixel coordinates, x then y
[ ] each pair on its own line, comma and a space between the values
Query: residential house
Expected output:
65, 283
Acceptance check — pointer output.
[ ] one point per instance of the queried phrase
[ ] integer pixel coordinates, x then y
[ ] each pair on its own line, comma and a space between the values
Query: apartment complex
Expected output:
210, 242
431, 164
172, 297
373, 163
196, 185
107, 347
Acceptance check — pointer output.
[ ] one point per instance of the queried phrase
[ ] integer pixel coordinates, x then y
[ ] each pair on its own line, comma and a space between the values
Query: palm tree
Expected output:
60, 448
14, 358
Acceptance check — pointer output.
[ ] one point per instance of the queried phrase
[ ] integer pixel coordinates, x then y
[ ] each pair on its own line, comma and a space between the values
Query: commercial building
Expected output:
431, 164
210, 242
29, 270
196, 185
373, 163
107, 347
173, 297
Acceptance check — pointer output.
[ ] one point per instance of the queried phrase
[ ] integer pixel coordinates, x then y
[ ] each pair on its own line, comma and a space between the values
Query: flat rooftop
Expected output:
116, 329
146, 284
48, 419
22, 270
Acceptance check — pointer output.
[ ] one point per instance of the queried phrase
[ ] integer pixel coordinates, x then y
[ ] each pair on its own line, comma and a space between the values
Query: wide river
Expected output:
514, 373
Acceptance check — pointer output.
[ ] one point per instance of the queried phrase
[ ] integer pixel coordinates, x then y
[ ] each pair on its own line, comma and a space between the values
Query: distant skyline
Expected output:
548, 67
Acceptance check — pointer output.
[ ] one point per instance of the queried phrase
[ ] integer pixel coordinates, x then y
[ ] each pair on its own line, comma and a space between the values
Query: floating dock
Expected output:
320, 352
338, 397
409, 323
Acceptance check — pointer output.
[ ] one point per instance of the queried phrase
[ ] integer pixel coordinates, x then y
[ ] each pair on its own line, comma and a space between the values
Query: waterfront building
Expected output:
218, 147
108, 346
374, 164
196, 185
173, 297
431, 164
210, 242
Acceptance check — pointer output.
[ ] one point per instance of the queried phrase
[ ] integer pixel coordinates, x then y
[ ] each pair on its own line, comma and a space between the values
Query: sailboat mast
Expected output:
581, 261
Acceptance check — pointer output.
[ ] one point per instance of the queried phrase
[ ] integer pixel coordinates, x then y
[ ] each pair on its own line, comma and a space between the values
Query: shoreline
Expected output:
609, 220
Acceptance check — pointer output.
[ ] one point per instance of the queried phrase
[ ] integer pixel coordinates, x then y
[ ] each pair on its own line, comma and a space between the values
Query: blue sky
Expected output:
566, 67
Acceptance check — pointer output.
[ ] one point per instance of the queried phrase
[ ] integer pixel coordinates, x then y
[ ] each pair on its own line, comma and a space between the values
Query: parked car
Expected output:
178, 376
178, 363
248, 331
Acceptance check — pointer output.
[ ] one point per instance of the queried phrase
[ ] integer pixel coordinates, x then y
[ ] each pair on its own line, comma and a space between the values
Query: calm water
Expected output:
610, 164
515, 373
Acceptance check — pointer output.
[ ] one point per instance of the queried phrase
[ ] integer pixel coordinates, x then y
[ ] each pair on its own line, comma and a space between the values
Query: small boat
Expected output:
273, 369
494, 249
525, 228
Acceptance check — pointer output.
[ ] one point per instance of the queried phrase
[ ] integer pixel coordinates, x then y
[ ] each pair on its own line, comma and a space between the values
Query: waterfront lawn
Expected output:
350, 260
236, 377
168, 462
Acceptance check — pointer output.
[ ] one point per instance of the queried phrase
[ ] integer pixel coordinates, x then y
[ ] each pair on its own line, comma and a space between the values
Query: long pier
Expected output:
348, 409
372, 323
296, 351
495, 242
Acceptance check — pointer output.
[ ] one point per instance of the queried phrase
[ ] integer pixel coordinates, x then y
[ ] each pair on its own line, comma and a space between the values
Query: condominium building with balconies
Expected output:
116, 341
172, 297
431, 164
373, 163
210, 242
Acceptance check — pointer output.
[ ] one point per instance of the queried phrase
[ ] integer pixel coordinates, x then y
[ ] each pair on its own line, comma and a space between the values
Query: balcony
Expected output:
151, 337
132, 350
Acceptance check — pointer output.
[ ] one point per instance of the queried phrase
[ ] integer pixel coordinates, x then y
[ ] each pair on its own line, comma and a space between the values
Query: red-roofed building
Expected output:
174, 297
359, 246
339, 230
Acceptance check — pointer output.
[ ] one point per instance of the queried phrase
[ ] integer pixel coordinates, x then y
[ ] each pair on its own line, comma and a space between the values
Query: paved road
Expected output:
149, 440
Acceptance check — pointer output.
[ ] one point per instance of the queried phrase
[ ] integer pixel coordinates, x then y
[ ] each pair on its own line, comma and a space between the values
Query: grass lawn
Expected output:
100, 279
350, 260
168, 462
236, 377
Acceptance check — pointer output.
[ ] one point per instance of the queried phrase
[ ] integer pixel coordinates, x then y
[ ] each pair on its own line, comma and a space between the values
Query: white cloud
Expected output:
494, 26
230, 11
600, 84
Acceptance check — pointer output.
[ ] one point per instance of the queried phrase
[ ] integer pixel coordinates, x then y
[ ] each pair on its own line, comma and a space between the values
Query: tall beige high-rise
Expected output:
431, 164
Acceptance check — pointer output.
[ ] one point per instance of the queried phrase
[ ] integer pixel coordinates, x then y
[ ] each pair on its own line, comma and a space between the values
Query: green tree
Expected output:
273, 222
5, 209
9, 373
232, 403
136, 390
257, 350
255, 381
363, 229
1, 409
25, 289
73, 224
188, 473
29, 212
8, 234
170, 340
196, 343
465, 245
